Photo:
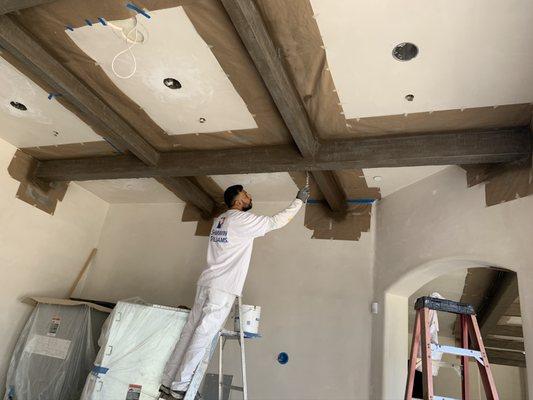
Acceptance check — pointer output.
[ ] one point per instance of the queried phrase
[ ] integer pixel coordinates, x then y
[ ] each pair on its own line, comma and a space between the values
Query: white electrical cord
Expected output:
126, 37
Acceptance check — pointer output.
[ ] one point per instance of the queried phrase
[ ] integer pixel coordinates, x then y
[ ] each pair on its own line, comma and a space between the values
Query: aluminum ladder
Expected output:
221, 338
470, 334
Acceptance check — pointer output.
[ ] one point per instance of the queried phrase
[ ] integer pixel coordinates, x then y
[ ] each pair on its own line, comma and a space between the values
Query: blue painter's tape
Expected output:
361, 201
69, 27
88, 22
99, 370
138, 9
52, 95
102, 21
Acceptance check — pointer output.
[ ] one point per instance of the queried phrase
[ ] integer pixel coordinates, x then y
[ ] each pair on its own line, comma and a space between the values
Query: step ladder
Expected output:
220, 339
470, 335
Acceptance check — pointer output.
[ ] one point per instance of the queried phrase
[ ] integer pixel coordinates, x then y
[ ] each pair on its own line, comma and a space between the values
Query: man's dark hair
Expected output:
231, 193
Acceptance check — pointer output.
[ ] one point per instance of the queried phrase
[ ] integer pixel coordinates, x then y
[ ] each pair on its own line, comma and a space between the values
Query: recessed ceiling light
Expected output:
18, 106
410, 97
172, 83
201, 120
405, 51
377, 178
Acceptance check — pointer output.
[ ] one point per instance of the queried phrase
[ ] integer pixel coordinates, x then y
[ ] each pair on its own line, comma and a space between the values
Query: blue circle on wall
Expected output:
283, 358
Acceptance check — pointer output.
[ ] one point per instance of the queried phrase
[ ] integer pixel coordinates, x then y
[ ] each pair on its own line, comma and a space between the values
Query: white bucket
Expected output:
251, 316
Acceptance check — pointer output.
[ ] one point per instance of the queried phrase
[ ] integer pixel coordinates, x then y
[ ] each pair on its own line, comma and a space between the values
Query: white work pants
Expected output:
208, 315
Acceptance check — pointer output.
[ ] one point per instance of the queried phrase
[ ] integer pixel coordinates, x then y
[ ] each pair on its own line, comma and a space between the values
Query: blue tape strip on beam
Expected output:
99, 370
361, 201
139, 10
349, 201
102, 21
89, 22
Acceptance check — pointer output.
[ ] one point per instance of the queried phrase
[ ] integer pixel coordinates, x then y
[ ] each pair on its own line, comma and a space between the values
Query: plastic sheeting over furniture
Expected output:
136, 342
54, 353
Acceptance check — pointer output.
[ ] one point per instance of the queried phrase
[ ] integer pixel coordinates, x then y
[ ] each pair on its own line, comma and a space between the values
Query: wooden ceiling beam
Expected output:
190, 193
331, 190
504, 292
510, 363
457, 148
504, 357
7, 6
253, 32
504, 344
20, 45
507, 330
513, 310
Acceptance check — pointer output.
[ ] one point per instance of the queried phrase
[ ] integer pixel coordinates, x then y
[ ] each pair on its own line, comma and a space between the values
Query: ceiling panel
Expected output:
263, 187
471, 53
390, 180
130, 191
44, 122
170, 48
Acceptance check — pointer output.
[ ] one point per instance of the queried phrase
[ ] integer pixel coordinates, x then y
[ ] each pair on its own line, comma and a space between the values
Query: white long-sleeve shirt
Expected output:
231, 242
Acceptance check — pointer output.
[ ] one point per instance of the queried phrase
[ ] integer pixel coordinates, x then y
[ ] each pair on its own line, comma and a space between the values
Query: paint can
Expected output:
251, 316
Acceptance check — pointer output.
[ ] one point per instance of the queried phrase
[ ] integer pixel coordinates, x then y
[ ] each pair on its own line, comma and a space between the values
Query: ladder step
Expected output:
458, 351
236, 335
443, 398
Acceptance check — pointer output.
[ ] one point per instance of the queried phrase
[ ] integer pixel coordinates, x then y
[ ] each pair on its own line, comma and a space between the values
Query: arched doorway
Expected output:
396, 337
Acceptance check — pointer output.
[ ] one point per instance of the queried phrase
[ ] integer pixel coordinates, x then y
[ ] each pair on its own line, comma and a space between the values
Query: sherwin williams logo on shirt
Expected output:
219, 235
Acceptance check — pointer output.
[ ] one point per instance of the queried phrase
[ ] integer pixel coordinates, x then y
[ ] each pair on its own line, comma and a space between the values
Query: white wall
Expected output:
315, 295
430, 228
40, 254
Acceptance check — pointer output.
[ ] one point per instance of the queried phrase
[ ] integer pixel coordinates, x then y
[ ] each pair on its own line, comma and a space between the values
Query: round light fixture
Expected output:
18, 106
410, 97
201, 120
172, 83
377, 178
405, 51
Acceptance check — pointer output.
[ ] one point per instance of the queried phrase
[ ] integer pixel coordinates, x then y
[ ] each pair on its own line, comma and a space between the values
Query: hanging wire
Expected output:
131, 42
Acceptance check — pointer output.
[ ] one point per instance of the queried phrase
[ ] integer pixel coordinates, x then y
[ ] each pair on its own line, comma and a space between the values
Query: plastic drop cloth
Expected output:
136, 342
54, 353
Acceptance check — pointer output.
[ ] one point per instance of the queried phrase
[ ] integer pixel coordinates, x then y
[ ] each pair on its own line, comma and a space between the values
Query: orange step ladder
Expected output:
470, 335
